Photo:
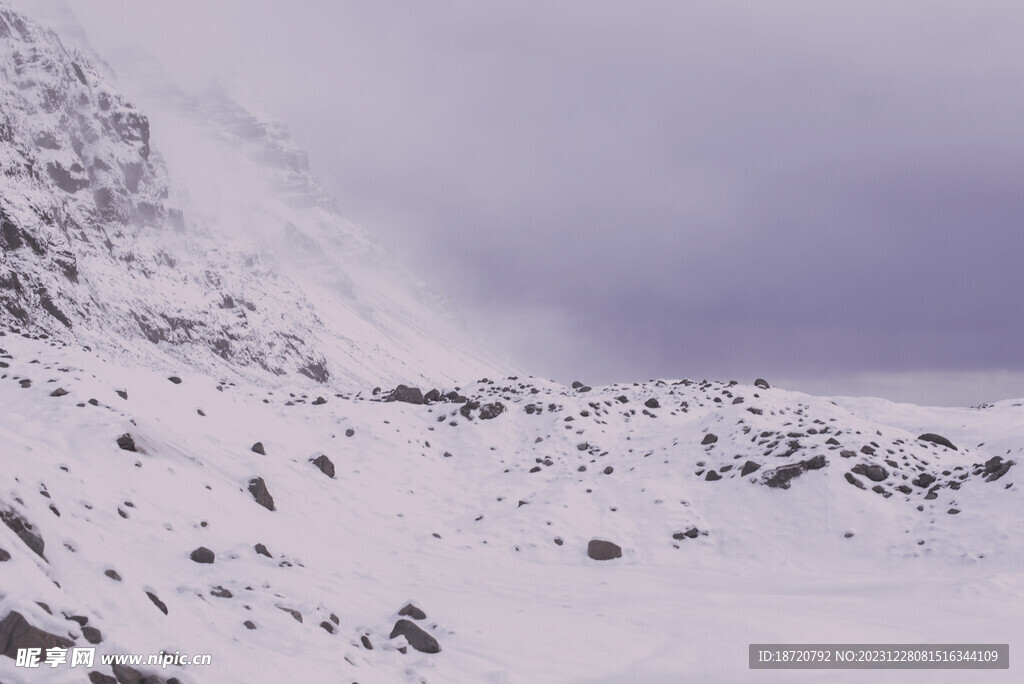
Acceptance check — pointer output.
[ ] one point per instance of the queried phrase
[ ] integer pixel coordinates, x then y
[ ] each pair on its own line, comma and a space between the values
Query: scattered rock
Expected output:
249, 624
157, 602
780, 477
291, 611
875, 473
16, 633
221, 592
4, 556
349, 432
126, 442
409, 610
937, 439
24, 530
262, 550
709, 438
258, 489
324, 464
652, 403
259, 449
112, 574
854, 481
749, 467
92, 635
923, 480
761, 383
408, 395
175, 379
417, 638
202, 555
365, 641
712, 476
488, 411
601, 550
690, 533
319, 401
432, 396
122, 393
59, 392
97, 677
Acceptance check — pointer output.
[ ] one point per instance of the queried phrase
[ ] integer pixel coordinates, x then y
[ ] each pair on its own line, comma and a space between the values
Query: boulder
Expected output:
202, 555
258, 489
408, 395
416, 637
602, 550
16, 632
324, 464
937, 439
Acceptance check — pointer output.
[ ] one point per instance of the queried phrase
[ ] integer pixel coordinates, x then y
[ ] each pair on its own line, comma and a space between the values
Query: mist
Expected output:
825, 193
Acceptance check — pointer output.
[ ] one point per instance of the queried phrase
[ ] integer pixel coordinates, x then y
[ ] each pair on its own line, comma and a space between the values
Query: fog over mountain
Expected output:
824, 194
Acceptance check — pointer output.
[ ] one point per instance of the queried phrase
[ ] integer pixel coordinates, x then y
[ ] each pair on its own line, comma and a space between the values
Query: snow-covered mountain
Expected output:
283, 532
194, 461
242, 266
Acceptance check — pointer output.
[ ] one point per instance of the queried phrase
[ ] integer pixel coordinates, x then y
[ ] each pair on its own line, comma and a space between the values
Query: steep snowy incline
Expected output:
259, 276
282, 531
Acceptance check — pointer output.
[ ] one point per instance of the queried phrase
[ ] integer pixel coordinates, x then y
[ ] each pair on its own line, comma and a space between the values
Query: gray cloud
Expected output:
661, 188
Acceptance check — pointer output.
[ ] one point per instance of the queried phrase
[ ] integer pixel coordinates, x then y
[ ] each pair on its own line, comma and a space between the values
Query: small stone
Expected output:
652, 403
221, 592
366, 642
761, 383
112, 574
324, 464
249, 624
258, 489
937, 439
709, 438
259, 449
608, 470
59, 392
157, 602
92, 635
712, 476
409, 610
126, 442
202, 555
749, 467
175, 379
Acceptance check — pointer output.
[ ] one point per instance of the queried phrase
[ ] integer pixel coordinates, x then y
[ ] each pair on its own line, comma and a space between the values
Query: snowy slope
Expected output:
484, 524
238, 264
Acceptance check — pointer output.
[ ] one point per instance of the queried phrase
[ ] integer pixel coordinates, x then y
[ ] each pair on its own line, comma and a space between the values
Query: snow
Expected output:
504, 601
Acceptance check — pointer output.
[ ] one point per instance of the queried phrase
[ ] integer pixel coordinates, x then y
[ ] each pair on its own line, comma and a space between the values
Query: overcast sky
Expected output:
825, 194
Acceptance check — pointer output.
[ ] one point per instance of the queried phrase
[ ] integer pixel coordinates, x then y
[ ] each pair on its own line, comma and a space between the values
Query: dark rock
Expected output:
832, 441
16, 632
417, 638
761, 383
690, 533
937, 439
175, 379
258, 489
112, 574
904, 489
847, 535
652, 403
221, 592
409, 610
59, 392
24, 530
601, 550
92, 635
854, 481
202, 555
608, 470
432, 396
96, 677
349, 432
953, 511
1001, 468
122, 393
749, 467
262, 550
4, 556
294, 613
259, 449
875, 473
488, 411
327, 627
324, 464
780, 477
157, 602
923, 480
712, 476
249, 624
365, 641
408, 395
319, 401
126, 442
709, 438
